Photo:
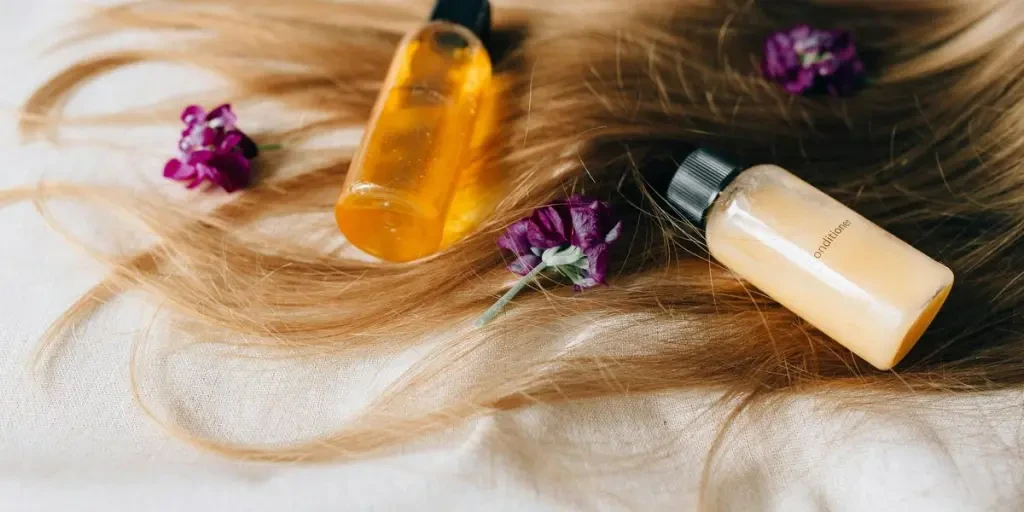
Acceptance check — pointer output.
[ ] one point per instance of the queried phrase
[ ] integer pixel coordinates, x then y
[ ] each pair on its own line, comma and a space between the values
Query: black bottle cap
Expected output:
697, 182
472, 14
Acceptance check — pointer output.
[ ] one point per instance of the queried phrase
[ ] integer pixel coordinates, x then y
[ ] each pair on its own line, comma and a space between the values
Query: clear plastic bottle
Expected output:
854, 281
402, 179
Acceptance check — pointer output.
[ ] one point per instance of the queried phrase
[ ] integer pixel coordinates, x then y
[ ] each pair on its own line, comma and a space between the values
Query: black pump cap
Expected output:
472, 14
696, 183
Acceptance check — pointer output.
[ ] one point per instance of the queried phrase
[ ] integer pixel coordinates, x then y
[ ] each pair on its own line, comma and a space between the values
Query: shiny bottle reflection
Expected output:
482, 181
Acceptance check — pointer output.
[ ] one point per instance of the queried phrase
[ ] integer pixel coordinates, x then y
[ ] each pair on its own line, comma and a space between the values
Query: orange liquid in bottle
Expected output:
482, 182
418, 141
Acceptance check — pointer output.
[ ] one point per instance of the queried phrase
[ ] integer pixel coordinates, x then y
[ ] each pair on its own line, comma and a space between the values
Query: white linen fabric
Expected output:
72, 438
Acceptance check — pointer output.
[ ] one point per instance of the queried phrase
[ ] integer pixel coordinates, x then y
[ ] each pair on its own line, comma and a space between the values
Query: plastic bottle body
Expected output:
482, 181
402, 179
857, 283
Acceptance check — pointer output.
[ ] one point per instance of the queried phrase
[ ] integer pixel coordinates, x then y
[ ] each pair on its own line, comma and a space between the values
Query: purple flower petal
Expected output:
549, 227
593, 222
552, 220
222, 117
193, 114
203, 172
230, 171
212, 149
178, 170
801, 81
804, 59
586, 226
825, 67
577, 222
197, 137
524, 264
800, 32
597, 263
200, 156
514, 238
229, 141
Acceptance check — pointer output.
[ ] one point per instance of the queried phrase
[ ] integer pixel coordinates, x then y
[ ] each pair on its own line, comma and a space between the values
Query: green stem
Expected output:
505, 299
269, 147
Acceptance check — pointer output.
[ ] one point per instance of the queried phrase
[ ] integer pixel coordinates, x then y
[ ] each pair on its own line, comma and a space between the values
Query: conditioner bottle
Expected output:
855, 282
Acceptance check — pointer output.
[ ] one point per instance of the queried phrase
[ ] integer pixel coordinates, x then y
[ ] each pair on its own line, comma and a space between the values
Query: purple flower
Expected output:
213, 149
804, 59
579, 222
569, 237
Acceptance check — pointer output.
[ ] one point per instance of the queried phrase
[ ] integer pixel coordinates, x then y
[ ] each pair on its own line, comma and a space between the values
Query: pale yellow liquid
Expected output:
865, 288
401, 182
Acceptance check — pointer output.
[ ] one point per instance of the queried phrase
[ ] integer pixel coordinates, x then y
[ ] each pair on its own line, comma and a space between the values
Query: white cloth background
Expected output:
75, 440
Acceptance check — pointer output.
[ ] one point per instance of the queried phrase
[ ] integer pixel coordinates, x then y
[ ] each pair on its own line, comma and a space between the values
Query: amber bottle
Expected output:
402, 179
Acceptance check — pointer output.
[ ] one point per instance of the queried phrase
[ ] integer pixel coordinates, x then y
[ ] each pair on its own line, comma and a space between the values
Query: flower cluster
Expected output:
570, 238
580, 223
212, 149
805, 59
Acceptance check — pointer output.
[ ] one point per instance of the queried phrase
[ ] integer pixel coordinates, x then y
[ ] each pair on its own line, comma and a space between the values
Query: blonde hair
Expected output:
932, 150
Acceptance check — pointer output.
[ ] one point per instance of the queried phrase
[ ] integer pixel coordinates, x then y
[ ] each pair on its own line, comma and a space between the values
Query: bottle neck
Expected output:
474, 15
697, 183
